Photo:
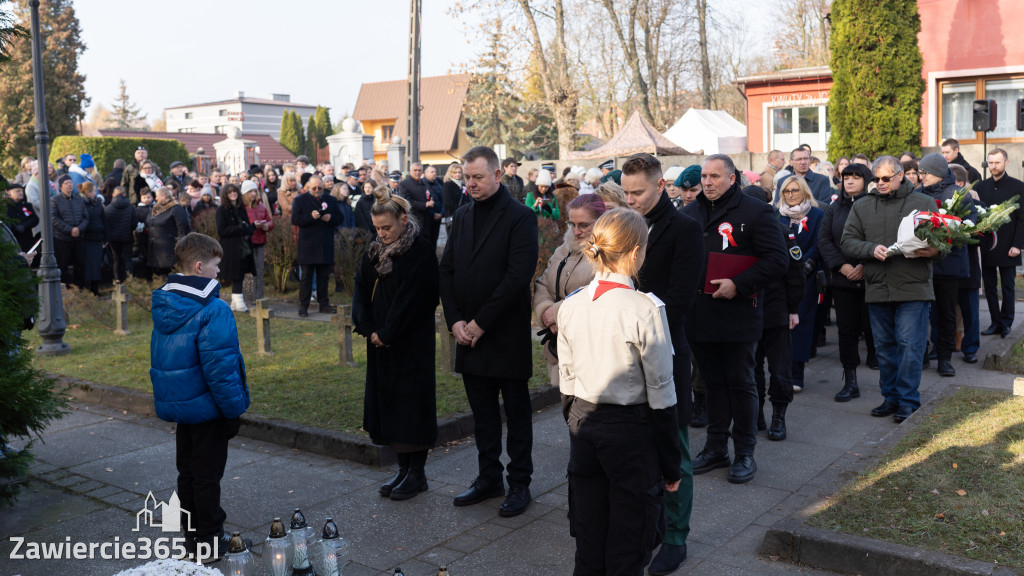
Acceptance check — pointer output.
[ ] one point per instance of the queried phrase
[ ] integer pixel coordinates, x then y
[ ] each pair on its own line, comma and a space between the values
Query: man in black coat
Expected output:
122, 220
414, 189
511, 180
725, 324
316, 215
486, 272
1000, 252
672, 262
951, 152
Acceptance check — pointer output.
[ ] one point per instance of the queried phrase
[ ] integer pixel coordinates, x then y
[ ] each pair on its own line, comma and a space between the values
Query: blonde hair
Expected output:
337, 190
289, 177
804, 189
388, 203
612, 194
616, 234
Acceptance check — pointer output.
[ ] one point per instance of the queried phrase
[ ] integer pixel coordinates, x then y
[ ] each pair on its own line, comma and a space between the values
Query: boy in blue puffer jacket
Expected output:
198, 377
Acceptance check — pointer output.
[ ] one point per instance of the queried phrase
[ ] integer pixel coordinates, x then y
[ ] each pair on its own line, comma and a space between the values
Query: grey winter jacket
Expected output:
67, 213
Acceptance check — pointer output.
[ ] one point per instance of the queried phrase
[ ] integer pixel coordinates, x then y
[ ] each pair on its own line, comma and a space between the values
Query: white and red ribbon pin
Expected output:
802, 226
323, 205
725, 229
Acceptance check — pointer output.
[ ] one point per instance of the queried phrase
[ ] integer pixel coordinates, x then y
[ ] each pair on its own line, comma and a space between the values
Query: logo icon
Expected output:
170, 514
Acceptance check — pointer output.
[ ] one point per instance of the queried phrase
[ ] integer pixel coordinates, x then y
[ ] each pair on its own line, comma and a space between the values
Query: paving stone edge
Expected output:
285, 432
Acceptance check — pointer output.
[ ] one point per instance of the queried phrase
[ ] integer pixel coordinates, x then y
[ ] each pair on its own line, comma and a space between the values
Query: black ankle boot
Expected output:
850, 389
778, 428
415, 481
700, 411
403, 471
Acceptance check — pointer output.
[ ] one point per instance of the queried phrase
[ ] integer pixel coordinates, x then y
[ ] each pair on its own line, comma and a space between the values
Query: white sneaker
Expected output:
238, 303
797, 389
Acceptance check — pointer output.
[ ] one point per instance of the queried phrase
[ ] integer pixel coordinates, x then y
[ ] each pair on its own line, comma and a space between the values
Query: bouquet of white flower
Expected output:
169, 567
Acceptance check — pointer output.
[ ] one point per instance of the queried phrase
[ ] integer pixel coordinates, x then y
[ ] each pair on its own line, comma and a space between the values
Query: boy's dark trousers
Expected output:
202, 453
775, 346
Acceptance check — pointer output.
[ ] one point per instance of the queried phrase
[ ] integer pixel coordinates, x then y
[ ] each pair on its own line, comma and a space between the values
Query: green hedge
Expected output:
105, 150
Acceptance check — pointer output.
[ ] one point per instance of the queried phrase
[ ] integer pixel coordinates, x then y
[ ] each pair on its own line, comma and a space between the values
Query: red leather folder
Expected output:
722, 266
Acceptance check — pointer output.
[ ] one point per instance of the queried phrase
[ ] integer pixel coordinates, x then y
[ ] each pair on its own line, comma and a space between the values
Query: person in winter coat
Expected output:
967, 295
567, 271
262, 223
799, 212
616, 379
348, 216
1001, 252
544, 203
70, 219
847, 281
820, 186
396, 293
414, 189
142, 236
94, 236
148, 173
724, 325
233, 231
950, 149
130, 176
782, 300
938, 183
513, 183
286, 194
121, 219
361, 212
168, 222
22, 216
315, 213
454, 192
898, 289
198, 377
271, 182
435, 189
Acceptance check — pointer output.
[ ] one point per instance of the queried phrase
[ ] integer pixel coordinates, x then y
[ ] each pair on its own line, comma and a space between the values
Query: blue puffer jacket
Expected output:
197, 369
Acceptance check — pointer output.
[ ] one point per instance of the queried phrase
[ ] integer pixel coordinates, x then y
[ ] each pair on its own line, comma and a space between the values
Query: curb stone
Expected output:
289, 434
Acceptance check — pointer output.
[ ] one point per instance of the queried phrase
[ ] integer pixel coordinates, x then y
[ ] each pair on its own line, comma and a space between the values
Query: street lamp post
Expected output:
51, 308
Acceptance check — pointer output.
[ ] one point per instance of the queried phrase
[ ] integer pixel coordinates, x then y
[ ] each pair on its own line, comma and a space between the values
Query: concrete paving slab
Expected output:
99, 440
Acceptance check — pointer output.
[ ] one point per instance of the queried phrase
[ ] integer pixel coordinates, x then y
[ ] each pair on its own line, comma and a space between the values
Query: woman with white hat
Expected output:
544, 202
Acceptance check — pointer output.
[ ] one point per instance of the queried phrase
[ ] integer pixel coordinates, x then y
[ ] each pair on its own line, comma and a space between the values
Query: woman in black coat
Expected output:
396, 293
93, 237
233, 231
22, 215
847, 280
453, 194
167, 223
122, 220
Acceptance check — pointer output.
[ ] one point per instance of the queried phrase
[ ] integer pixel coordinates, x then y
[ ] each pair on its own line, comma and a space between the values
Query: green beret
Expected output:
614, 176
689, 178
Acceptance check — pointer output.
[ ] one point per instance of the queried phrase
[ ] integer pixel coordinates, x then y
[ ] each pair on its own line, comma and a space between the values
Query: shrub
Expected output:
206, 223
549, 237
141, 293
281, 255
349, 246
82, 304
105, 150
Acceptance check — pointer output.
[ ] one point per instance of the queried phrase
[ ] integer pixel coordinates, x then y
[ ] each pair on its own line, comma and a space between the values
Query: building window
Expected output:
782, 121
220, 129
386, 132
188, 115
787, 134
222, 112
956, 112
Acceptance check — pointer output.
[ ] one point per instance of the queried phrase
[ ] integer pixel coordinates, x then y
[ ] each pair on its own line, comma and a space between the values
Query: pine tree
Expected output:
323, 125
64, 86
491, 105
126, 113
311, 138
876, 97
289, 138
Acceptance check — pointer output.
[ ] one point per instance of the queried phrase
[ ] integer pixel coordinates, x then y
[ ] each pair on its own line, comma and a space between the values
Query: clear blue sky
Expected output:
319, 51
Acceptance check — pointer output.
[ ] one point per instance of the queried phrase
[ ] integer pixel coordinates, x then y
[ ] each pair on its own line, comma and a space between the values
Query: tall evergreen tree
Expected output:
491, 105
64, 86
875, 101
126, 113
312, 139
300, 133
289, 138
323, 125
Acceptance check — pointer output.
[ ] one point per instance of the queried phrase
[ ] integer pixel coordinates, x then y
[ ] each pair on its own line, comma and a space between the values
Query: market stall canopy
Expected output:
710, 131
636, 136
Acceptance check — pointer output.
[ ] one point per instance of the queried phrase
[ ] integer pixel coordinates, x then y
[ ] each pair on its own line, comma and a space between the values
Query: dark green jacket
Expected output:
874, 220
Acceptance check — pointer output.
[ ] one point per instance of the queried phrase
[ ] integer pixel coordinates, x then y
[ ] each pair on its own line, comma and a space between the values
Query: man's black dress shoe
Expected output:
707, 461
885, 409
743, 469
516, 502
993, 329
971, 358
479, 492
946, 368
1005, 332
668, 559
902, 414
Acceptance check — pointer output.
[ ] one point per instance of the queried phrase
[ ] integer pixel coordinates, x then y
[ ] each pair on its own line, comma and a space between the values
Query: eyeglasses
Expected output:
789, 191
581, 227
885, 179
315, 189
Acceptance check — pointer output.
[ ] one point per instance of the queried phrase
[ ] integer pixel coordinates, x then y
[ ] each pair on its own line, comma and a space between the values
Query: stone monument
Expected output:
350, 145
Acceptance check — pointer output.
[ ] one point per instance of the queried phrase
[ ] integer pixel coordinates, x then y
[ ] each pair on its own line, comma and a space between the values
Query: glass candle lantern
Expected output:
277, 550
334, 550
301, 536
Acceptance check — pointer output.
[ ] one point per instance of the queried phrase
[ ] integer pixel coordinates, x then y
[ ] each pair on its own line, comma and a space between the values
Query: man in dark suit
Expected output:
725, 324
486, 271
821, 187
1000, 252
414, 189
316, 215
672, 263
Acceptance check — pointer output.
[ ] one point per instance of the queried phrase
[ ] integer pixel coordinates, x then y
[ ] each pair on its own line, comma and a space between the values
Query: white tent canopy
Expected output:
710, 131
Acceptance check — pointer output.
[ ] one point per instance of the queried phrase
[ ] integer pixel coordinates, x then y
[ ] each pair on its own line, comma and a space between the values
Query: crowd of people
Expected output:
670, 291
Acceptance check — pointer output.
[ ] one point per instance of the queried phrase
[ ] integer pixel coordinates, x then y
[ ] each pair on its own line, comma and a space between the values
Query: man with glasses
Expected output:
316, 214
414, 189
898, 289
821, 188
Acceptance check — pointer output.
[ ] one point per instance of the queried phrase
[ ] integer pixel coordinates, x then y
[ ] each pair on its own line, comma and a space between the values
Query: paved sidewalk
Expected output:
96, 466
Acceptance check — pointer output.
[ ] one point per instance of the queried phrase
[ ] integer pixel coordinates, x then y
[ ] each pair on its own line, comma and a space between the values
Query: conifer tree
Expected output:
289, 137
323, 125
126, 113
312, 139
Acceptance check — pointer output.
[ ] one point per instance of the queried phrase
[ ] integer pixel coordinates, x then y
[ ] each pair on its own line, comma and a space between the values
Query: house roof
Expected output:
636, 135
271, 151
441, 101
246, 100
792, 74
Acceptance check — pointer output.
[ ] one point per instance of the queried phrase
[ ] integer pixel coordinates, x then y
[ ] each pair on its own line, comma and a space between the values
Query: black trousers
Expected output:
728, 371
483, 392
851, 320
70, 254
614, 488
323, 274
943, 315
202, 453
776, 346
121, 257
1004, 317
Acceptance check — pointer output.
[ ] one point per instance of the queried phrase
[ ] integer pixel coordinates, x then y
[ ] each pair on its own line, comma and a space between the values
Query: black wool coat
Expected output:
830, 239
96, 231
166, 227
454, 198
783, 296
672, 264
122, 219
489, 281
399, 403
755, 229
362, 214
992, 192
233, 230
23, 219
415, 191
316, 237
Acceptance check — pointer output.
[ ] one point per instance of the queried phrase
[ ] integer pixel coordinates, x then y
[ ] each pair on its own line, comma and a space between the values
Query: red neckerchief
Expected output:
605, 285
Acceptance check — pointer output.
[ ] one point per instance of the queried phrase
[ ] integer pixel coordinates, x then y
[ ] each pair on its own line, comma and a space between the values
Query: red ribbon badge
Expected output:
428, 195
604, 286
323, 205
834, 198
802, 225
725, 229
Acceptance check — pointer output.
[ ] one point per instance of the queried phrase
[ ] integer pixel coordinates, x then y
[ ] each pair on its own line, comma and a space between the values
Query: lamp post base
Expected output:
58, 348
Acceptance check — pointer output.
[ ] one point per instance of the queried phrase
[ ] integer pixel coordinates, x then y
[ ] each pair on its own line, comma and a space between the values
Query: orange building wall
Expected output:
778, 93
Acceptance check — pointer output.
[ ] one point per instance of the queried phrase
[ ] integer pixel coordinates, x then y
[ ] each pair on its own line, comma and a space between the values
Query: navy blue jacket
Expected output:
197, 369
821, 188
957, 264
